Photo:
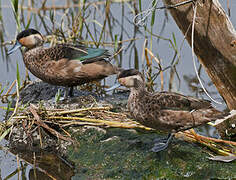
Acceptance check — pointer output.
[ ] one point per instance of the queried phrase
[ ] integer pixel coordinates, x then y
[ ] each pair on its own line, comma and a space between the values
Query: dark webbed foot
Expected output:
162, 144
160, 140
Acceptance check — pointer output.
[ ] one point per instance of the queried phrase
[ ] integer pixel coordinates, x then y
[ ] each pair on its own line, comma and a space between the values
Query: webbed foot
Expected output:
161, 144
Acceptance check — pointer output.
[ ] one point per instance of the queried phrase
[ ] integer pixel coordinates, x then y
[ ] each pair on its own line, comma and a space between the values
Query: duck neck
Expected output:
34, 57
33, 47
136, 94
138, 89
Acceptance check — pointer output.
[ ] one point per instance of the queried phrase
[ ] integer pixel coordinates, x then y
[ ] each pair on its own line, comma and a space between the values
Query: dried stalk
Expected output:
42, 124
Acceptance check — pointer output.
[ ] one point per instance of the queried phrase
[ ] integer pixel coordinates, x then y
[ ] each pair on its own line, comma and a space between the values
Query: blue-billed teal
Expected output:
63, 64
166, 111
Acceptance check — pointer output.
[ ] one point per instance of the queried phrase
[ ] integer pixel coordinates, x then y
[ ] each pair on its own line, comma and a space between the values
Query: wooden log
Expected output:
214, 42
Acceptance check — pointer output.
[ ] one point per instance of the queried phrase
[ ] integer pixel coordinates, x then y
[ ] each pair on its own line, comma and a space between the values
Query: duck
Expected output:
65, 65
168, 112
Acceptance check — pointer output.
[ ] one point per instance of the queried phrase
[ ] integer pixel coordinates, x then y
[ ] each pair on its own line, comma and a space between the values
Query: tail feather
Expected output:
207, 115
222, 119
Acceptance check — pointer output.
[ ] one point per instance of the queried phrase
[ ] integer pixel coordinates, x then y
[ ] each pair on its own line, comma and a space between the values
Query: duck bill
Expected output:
15, 47
113, 87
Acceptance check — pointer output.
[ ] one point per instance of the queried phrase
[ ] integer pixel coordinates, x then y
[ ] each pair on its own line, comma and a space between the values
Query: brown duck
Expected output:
166, 111
63, 64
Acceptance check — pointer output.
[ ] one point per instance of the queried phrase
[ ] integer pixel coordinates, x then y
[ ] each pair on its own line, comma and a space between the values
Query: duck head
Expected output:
131, 78
29, 38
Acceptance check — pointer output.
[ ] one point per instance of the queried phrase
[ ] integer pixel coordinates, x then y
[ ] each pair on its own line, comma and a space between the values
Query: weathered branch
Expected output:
214, 43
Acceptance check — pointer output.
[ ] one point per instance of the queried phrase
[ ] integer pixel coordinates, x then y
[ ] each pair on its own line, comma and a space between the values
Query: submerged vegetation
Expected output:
107, 24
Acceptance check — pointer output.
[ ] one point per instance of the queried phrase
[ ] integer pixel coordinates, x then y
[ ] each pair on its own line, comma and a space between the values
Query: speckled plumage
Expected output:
63, 64
56, 65
166, 111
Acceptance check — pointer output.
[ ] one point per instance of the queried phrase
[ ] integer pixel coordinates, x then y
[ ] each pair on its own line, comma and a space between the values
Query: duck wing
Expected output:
183, 120
175, 101
172, 112
77, 52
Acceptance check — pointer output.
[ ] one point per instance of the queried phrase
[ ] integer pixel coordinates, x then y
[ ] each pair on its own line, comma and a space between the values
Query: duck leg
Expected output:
68, 92
162, 144
71, 90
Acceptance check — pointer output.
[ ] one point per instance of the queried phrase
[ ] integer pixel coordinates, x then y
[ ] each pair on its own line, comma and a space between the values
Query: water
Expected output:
160, 48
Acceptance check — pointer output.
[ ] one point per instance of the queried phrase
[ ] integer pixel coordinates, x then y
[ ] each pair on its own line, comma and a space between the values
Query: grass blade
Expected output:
17, 74
4, 134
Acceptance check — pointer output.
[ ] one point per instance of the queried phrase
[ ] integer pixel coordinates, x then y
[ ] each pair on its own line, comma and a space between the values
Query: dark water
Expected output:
131, 55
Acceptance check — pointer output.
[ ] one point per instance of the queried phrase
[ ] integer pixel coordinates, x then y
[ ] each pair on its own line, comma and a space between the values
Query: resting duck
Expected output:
166, 111
63, 64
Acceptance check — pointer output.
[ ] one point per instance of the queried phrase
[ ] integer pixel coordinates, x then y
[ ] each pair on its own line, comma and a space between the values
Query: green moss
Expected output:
125, 154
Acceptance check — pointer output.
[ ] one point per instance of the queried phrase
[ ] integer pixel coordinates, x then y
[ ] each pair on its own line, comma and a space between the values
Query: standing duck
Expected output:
63, 64
166, 111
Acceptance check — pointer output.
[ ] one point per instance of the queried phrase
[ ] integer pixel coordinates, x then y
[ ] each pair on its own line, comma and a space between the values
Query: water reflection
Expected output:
39, 165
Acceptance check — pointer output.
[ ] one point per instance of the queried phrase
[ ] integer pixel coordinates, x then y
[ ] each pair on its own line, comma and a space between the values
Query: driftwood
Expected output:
214, 42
